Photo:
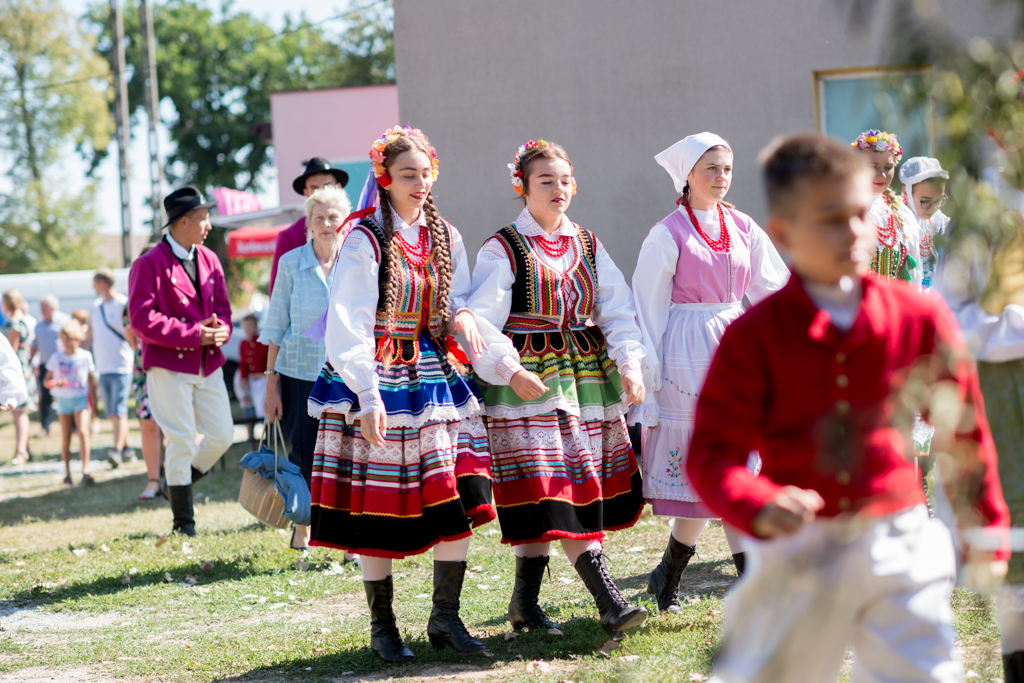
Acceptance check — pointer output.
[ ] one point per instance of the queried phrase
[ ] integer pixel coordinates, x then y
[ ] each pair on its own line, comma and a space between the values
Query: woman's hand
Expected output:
466, 324
633, 385
373, 425
527, 385
272, 402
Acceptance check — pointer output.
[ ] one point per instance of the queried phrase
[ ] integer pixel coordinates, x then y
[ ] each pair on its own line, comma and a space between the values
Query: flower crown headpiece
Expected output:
516, 167
389, 136
878, 141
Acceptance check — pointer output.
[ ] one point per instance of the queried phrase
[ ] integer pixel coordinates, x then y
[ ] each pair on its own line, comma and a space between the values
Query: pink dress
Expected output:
686, 294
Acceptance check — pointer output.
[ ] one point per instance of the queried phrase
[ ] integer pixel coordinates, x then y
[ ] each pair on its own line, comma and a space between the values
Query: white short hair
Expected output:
53, 301
329, 194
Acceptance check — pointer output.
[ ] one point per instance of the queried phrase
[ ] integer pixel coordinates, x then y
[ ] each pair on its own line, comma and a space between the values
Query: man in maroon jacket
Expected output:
319, 173
823, 379
179, 309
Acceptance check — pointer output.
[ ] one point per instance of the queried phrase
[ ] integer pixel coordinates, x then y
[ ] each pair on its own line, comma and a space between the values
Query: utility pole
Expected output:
156, 169
123, 132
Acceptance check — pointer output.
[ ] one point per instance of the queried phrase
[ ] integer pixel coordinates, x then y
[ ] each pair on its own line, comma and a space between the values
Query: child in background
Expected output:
924, 191
71, 379
823, 377
252, 364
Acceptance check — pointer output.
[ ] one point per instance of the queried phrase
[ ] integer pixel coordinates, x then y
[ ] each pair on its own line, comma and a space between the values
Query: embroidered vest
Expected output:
417, 309
548, 305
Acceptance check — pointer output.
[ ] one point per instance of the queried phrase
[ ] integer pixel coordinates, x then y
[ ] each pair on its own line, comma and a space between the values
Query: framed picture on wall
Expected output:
893, 99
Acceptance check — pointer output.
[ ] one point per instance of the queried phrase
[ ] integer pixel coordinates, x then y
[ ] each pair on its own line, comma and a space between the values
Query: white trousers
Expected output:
182, 405
882, 584
258, 391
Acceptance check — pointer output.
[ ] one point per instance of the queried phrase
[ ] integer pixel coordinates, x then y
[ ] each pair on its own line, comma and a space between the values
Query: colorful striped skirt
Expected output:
429, 483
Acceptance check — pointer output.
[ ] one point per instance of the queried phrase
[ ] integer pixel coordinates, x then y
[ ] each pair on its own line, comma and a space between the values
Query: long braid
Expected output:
442, 261
890, 199
393, 274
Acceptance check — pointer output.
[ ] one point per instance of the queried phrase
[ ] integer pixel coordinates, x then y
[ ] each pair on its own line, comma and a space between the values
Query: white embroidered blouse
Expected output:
491, 303
353, 306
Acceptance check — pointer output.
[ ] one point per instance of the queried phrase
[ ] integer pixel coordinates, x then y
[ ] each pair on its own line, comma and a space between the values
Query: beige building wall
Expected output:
617, 81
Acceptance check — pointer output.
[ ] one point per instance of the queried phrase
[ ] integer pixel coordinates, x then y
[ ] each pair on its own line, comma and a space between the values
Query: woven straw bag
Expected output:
259, 496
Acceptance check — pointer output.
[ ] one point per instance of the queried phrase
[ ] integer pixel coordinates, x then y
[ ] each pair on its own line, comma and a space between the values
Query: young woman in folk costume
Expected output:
694, 270
560, 378
401, 462
898, 248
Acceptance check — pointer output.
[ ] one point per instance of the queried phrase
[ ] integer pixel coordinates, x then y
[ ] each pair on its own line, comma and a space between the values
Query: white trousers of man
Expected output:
882, 584
182, 405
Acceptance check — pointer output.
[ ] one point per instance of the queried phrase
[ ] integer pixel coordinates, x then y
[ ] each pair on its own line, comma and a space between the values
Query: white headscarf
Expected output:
680, 158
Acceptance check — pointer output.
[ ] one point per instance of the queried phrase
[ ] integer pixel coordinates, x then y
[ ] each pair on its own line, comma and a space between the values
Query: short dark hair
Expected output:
252, 317
789, 160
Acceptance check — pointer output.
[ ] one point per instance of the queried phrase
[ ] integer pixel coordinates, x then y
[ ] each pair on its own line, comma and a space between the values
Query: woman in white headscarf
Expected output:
695, 269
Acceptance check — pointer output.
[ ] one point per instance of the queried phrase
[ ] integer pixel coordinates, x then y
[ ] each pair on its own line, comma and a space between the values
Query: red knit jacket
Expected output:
820, 406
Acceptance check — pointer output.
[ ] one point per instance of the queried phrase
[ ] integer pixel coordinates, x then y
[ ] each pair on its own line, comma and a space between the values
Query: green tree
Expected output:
218, 70
53, 101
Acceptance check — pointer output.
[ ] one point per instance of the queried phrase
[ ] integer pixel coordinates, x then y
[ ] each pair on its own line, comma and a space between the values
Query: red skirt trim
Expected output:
556, 535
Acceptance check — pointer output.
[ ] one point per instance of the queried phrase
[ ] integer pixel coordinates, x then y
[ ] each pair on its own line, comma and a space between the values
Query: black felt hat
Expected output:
180, 202
319, 165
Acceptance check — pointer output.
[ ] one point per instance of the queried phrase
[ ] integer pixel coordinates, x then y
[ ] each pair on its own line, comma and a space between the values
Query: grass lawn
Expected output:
92, 590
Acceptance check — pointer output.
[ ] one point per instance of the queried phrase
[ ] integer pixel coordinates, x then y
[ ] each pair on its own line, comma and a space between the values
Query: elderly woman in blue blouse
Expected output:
301, 294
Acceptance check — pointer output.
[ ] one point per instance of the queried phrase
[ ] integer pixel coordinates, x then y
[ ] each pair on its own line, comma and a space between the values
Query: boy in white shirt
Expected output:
70, 376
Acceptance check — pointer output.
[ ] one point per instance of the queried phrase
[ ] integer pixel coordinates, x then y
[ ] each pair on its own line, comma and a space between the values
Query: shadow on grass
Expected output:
354, 659
221, 571
121, 495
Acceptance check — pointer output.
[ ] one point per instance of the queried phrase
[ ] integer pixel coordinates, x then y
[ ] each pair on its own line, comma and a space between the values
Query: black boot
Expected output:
165, 489
663, 582
181, 508
617, 615
740, 560
385, 639
523, 609
1013, 667
445, 627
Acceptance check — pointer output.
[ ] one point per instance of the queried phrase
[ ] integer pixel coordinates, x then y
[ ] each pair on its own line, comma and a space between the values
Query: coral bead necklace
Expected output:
416, 256
554, 248
887, 235
723, 242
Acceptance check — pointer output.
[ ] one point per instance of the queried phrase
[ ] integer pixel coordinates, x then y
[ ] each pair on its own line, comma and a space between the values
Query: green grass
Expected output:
254, 615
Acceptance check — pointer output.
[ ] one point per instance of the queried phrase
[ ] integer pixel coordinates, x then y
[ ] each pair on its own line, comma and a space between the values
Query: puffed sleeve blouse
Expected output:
352, 311
491, 302
655, 278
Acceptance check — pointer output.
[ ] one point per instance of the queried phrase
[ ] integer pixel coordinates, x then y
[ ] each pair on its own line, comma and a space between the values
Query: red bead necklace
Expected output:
887, 235
554, 248
416, 256
723, 242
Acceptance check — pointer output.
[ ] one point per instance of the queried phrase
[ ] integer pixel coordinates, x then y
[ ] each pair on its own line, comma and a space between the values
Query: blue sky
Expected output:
108, 203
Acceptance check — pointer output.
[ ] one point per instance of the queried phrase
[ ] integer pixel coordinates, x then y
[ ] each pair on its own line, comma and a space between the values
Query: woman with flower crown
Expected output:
401, 462
694, 270
561, 372
898, 245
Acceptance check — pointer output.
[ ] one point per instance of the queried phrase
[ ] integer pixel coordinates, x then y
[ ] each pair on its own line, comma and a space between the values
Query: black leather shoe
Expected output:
663, 582
617, 614
181, 508
385, 639
1013, 667
523, 609
740, 560
445, 628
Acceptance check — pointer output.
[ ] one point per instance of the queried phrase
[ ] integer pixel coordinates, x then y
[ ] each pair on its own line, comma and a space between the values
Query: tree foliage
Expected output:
53, 101
219, 69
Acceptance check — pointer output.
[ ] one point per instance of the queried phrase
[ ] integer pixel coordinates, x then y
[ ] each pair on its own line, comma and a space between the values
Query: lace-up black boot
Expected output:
663, 582
617, 614
523, 609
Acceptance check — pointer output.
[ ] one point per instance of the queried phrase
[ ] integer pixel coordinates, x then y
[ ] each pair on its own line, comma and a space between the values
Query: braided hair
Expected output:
890, 198
440, 252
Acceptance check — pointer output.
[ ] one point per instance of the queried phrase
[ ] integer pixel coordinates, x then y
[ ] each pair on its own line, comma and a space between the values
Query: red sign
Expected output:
253, 242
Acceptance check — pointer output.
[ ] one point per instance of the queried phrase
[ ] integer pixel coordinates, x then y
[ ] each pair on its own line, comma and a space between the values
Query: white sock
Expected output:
573, 548
687, 531
532, 550
452, 551
375, 568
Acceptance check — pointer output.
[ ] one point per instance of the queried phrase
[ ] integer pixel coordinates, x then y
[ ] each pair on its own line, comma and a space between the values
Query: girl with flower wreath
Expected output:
401, 463
694, 270
561, 373
898, 243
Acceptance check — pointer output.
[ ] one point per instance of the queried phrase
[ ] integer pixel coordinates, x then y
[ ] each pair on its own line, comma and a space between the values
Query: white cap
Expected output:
916, 169
680, 158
